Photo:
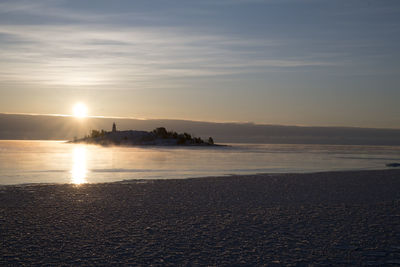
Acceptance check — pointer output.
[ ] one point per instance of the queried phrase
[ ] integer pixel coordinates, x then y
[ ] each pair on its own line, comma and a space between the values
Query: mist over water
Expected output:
59, 162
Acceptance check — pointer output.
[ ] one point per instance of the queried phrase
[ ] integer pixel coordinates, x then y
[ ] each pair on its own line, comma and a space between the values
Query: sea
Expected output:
55, 162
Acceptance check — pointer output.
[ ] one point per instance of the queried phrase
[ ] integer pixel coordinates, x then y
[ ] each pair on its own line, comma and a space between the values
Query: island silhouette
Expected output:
158, 137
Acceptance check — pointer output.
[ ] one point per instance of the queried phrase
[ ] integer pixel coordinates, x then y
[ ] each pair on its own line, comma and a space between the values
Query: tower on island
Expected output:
114, 128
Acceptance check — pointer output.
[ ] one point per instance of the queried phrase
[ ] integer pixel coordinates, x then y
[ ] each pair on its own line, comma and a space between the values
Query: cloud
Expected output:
52, 10
106, 55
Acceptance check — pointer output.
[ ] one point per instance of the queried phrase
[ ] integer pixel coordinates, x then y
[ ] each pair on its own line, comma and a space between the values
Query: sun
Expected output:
80, 110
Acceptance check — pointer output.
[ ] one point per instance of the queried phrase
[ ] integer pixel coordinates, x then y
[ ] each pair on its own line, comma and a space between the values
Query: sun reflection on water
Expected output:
79, 170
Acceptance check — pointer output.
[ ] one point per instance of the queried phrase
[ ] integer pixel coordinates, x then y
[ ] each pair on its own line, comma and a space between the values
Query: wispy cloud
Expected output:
54, 10
105, 55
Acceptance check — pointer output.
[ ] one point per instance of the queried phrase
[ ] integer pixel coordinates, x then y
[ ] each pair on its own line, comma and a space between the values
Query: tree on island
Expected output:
96, 134
161, 131
210, 140
159, 136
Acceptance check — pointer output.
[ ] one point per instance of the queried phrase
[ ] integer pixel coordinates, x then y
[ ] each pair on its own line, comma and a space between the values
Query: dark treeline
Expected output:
141, 137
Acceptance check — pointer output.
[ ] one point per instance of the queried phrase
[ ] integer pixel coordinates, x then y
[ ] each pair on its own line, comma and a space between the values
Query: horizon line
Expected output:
192, 120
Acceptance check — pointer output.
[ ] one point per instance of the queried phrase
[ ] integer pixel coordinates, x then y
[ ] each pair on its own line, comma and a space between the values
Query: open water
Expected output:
23, 162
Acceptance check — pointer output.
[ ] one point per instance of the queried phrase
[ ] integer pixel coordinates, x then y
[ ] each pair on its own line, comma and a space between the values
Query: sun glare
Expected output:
79, 170
80, 110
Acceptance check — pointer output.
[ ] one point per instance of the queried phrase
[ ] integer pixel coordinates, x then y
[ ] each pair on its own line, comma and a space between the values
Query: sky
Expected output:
288, 62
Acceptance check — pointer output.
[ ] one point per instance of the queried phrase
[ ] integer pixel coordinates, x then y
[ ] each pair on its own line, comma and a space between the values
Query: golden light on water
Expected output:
79, 170
80, 110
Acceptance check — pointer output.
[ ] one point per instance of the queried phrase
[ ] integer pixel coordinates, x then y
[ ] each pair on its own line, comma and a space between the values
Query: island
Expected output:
158, 137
